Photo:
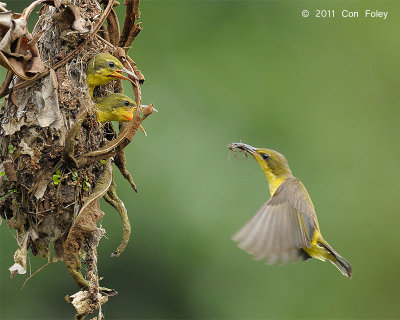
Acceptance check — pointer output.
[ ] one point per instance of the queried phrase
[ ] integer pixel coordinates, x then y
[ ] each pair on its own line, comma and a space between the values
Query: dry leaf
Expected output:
16, 30
16, 268
78, 25
19, 267
25, 149
83, 303
14, 65
79, 22
26, 62
5, 19
49, 114
71, 16
41, 187
13, 126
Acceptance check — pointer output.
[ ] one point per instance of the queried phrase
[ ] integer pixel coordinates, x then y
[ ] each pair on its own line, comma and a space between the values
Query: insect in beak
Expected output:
243, 146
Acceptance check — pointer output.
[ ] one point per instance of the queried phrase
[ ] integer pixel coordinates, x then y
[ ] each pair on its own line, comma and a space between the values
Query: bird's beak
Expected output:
128, 116
146, 106
118, 74
244, 147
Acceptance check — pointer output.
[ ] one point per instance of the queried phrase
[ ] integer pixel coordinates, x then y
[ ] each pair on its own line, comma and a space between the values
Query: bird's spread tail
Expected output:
341, 263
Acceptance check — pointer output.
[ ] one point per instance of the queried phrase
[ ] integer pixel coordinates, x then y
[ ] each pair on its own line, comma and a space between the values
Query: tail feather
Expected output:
338, 261
343, 265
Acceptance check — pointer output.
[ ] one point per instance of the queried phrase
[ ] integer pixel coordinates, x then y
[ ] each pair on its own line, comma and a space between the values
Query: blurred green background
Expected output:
324, 92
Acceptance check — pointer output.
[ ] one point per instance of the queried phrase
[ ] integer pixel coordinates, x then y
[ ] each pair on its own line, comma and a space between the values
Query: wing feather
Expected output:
282, 226
250, 237
259, 249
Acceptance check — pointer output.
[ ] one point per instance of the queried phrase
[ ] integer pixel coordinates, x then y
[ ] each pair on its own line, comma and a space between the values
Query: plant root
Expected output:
112, 199
84, 225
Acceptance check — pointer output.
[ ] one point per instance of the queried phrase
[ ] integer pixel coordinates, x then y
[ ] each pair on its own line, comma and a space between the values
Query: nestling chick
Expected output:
115, 107
103, 68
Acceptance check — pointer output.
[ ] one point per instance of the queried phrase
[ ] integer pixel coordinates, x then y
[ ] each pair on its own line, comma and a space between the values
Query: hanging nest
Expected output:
55, 157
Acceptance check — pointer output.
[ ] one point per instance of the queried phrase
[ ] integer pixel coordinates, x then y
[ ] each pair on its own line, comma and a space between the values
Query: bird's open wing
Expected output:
282, 226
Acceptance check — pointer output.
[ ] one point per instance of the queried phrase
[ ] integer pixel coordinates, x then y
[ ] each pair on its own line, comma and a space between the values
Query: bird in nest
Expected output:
103, 68
116, 107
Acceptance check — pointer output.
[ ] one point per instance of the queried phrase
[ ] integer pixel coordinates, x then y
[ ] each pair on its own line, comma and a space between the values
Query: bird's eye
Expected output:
111, 64
265, 156
127, 103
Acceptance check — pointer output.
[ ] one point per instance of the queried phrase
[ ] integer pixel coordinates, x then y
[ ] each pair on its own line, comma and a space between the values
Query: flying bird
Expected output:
286, 226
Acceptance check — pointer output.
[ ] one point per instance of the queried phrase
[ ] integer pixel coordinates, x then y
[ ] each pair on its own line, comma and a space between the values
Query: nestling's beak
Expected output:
146, 106
244, 147
128, 116
118, 74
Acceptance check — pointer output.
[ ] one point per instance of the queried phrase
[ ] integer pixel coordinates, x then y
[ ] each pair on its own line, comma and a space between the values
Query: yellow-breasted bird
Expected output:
286, 226
103, 68
116, 107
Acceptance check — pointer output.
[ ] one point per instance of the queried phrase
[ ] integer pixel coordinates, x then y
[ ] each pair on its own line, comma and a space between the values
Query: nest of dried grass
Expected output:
55, 157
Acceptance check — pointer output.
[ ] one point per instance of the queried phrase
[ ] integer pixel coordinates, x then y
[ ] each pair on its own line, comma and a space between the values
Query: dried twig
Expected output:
112, 198
4, 87
36, 272
130, 30
84, 225
120, 162
113, 27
